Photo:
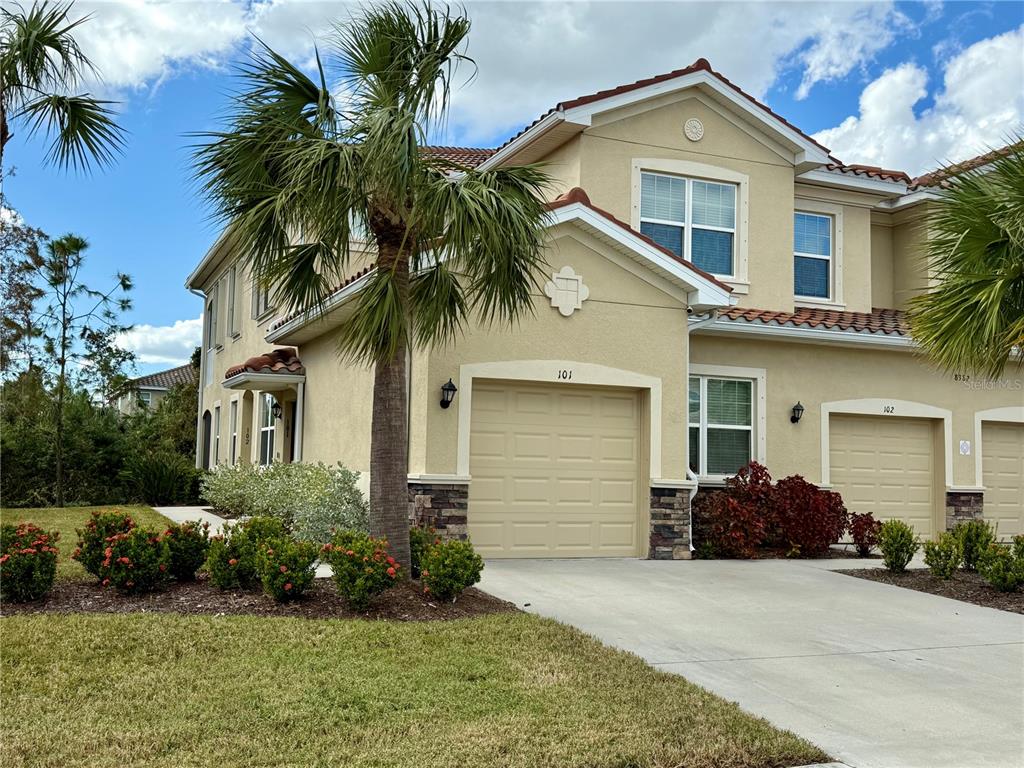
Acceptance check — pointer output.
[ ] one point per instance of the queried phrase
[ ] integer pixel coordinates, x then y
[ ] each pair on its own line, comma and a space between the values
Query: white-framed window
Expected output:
693, 218
145, 399
233, 431
267, 428
813, 239
216, 434
721, 423
232, 288
260, 299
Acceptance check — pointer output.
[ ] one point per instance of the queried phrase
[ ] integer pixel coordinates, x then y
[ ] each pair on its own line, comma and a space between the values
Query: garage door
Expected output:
555, 471
1002, 474
885, 466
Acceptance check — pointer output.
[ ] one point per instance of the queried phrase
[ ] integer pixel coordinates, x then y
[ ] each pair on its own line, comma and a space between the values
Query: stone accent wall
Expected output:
441, 506
963, 505
670, 524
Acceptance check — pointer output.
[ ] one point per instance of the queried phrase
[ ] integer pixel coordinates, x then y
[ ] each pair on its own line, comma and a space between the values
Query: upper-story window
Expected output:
145, 399
232, 287
260, 299
694, 219
812, 255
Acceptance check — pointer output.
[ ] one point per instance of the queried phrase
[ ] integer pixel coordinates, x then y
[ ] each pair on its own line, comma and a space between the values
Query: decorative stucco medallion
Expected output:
566, 291
693, 129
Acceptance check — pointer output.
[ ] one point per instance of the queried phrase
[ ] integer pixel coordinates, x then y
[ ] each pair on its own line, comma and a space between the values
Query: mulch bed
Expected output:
968, 587
405, 602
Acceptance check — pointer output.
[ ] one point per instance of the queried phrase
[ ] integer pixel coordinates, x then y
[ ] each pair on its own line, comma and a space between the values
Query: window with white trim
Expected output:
145, 399
232, 288
721, 425
812, 255
267, 428
233, 416
260, 299
216, 434
693, 218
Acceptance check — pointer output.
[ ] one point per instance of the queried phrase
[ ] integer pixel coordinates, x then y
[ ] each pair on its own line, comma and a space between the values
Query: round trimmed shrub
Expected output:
233, 557
362, 567
188, 544
420, 539
286, 567
806, 519
92, 540
975, 537
898, 543
864, 532
28, 562
1002, 567
135, 562
944, 556
448, 567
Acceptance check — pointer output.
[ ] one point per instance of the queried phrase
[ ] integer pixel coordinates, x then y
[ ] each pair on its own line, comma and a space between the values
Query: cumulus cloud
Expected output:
980, 103
163, 344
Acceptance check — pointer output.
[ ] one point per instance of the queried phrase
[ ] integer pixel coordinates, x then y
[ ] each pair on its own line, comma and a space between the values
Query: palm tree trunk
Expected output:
389, 437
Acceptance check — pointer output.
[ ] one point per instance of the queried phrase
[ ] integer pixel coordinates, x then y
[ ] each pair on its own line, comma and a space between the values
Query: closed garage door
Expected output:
555, 471
885, 466
1002, 468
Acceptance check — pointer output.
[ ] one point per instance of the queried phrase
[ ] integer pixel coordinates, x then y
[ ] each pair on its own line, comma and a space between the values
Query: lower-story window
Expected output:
721, 424
267, 424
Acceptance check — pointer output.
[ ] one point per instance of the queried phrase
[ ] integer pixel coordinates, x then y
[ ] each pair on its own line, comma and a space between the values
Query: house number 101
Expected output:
564, 375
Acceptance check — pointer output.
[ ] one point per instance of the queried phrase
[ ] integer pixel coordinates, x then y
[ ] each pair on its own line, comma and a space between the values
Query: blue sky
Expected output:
904, 85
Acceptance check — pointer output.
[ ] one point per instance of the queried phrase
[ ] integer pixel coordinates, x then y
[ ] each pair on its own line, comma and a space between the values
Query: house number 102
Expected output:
564, 374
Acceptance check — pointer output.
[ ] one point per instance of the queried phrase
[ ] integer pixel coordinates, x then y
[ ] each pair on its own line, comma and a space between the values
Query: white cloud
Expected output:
980, 104
163, 344
530, 55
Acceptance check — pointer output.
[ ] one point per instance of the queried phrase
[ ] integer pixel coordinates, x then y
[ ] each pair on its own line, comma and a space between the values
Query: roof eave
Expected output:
853, 182
788, 332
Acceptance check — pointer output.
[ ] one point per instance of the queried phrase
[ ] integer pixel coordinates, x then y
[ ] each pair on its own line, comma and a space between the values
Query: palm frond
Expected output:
83, 129
379, 325
439, 308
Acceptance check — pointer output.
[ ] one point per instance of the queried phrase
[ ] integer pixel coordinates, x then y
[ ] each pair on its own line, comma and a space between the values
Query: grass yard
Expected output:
506, 690
66, 520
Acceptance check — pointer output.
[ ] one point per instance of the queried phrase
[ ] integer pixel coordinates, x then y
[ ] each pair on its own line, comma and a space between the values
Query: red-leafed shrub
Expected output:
28, 562
752, 486
807, 519
729, 527
135, 562
864, 530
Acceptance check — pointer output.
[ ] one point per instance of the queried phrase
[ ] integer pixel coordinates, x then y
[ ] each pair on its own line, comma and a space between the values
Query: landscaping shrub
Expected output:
1002, 566
136, 561
420, 539
805, 518
28, 562
729, 527
233, 557
161, 478
313, 500
448, 567
92, 540
975, 537
898, 544
362, 567
286, 567
188, 544
944, 556
864, 531
1017, 546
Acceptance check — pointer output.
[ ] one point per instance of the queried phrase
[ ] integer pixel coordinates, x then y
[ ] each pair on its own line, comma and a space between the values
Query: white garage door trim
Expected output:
877, 406
567, 372
1010, 413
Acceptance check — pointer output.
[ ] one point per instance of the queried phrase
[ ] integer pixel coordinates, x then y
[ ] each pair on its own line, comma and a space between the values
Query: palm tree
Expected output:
41, 65
973, 319
302, 167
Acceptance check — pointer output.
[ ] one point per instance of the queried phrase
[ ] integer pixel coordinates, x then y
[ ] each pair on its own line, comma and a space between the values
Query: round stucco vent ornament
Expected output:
693, 129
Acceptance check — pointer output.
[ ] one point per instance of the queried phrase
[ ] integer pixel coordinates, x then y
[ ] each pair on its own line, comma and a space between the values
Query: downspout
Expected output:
199, 384
712, 316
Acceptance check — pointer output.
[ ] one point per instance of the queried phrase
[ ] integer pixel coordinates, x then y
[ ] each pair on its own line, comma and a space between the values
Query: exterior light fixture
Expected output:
276, 410
798, 412
448, 391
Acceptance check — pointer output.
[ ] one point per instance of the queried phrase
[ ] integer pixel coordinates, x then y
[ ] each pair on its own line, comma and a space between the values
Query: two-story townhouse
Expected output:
721, 289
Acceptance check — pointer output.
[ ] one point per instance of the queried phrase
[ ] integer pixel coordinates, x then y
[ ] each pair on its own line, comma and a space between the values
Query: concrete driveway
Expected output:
878, 676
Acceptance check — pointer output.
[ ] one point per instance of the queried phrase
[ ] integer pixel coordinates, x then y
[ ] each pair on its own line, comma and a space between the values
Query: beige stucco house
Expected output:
146, 391
720, 289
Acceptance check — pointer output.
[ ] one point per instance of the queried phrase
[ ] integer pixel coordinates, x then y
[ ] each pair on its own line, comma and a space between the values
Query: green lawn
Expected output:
505, 690
66, 520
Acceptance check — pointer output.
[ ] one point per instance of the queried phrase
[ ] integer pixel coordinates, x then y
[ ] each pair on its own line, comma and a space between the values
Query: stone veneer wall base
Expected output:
963, 505
670, 524
441, 506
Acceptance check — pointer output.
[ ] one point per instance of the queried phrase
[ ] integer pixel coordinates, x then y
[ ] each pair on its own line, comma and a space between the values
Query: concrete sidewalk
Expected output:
877, 676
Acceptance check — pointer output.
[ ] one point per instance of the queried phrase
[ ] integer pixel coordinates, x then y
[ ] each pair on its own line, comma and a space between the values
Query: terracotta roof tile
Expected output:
282, 360
941, 176
471, 156
890, 322
577, 195
183, 374
871, 171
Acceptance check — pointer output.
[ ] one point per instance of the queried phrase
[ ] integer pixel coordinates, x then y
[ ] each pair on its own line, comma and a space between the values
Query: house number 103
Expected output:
565, 375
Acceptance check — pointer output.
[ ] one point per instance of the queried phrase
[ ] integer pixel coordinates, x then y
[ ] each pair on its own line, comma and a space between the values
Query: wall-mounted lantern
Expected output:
276, 410
448, 391
798, 412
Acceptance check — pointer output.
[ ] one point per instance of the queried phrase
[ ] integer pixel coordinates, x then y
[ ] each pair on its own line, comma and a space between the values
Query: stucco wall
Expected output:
882, 294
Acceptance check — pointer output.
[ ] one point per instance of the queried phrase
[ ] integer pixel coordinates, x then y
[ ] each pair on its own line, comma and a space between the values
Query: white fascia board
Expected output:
208, 259
812, 335
334, 302
920, 196
524, 139
267, 382
855, 183
701, 291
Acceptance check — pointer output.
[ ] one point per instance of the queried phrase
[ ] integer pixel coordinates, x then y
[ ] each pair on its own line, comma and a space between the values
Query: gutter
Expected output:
202, 366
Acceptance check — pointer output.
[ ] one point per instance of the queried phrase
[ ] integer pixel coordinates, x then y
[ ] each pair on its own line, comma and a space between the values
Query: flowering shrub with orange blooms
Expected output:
233, 557
362, 567
28, 561
92, 540
188, 544
420, 540
136, 561
286, 567
448, 567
